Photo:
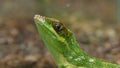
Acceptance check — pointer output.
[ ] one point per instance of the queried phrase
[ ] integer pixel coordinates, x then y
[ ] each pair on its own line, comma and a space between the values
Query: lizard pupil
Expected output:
57, 26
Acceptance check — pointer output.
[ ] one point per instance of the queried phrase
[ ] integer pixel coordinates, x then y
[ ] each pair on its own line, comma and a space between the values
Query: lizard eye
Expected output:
58, 27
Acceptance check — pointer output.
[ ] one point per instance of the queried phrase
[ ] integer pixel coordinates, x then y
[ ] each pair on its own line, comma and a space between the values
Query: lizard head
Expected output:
51, 29
57, 38
53, 25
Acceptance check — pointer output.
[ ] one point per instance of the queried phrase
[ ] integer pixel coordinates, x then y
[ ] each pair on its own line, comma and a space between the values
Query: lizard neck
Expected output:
75, 57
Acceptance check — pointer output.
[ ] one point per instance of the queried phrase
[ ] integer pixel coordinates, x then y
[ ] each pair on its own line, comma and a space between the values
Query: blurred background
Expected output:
95, 24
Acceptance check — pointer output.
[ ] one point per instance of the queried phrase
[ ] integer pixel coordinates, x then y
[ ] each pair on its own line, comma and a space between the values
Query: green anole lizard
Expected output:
63, 46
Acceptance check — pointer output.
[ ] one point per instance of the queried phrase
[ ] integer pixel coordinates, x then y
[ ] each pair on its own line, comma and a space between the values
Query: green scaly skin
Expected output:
62, 44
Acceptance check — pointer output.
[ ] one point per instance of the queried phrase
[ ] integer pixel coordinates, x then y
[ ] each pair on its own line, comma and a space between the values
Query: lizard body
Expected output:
63, 46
